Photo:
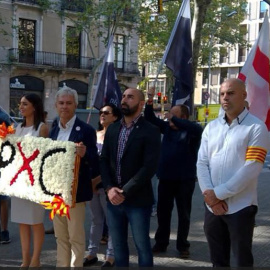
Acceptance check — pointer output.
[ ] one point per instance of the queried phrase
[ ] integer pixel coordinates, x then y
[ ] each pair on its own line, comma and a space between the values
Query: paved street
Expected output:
10, 255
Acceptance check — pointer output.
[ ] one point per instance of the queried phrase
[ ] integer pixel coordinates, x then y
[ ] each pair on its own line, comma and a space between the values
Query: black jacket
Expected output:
179, 148
138, 163
89, 166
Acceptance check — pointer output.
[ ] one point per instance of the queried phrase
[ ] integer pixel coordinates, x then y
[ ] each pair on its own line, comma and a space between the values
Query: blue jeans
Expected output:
139, 219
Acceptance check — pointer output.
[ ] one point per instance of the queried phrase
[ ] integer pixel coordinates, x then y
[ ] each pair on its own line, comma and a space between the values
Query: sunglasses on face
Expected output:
105, 112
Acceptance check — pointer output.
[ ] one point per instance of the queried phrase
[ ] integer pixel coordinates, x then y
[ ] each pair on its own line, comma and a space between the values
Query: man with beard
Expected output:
129, 160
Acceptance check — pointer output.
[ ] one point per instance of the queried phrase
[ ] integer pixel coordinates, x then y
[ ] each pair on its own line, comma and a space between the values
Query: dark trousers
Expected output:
226, 232
181, 192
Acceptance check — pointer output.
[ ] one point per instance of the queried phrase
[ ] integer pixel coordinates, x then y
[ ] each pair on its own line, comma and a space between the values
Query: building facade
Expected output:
230, 60
41, 51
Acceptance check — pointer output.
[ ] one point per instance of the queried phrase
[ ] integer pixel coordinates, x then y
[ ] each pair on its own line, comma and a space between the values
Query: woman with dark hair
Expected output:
28, 214
98, 205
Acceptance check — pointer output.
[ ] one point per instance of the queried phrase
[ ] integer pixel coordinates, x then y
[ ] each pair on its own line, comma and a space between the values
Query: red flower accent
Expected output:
4, 130
58, 206
26, 165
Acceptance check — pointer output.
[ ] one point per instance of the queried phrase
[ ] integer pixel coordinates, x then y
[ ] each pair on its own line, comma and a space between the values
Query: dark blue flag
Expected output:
178, 57
108, 89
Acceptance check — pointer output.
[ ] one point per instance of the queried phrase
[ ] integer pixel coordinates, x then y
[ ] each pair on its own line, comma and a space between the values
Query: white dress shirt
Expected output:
231, 157
64, 133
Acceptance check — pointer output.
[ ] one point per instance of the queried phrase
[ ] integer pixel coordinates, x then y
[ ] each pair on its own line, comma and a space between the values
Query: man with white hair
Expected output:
69, 233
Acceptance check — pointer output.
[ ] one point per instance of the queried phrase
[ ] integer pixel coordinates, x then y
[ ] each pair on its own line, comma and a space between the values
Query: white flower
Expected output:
50, 169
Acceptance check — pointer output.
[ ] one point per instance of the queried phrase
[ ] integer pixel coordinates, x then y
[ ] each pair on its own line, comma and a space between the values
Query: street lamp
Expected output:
207, 94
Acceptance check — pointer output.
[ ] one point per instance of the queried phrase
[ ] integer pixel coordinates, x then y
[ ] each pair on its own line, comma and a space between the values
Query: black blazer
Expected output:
138, 163
89, 167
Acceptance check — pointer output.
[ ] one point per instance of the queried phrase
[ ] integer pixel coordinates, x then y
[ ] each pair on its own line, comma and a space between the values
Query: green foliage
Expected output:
100, 19
226, 31
155, 29
222, 29
44, 4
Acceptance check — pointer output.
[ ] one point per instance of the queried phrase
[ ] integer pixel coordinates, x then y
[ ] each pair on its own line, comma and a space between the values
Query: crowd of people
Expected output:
118, 164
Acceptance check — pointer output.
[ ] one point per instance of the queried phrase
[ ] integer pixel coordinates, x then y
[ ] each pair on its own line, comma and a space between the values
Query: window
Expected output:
27, 41
204, 96
82, 99
73, 46
243, 31
223, 75
152, 68
205, 76
263, 8
119, 51
160, 86
260, 26
214, 96
223, 55
241, 54
248, 11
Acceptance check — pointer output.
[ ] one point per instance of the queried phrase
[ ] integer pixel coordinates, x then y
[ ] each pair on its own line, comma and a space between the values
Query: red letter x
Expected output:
25, 166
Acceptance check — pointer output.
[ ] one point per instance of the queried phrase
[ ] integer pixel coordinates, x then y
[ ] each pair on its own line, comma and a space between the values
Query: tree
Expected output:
209, 22
154, 31
220, 25
98, 19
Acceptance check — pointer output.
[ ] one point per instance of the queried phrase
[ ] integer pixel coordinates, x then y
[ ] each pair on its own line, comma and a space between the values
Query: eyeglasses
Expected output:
105, 112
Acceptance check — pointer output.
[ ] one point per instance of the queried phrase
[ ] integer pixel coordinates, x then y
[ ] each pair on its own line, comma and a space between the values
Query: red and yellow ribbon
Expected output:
256, 153
5, 130
58, 206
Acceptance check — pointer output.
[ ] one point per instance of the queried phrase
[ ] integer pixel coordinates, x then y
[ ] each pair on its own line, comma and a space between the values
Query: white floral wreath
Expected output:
39, 170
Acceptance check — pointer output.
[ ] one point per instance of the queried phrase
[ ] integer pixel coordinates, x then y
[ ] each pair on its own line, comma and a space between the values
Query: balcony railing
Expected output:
36, 2
126, 67
222, 59
241, 58
51, 59
59, 60
76, 6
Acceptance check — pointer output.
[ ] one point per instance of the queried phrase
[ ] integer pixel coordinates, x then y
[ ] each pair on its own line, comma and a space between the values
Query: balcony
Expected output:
223, 59
126, 67
241, 58
35, 2
56, 60
78, 6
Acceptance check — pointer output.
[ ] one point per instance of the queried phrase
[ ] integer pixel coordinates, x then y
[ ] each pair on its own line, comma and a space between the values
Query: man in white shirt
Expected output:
69, 233
230, 159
